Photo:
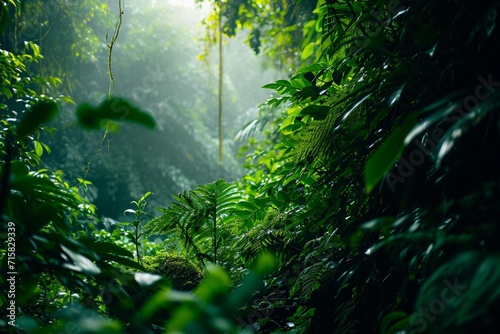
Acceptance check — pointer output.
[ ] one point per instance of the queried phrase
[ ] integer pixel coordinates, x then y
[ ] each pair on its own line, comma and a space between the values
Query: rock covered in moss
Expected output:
184, 274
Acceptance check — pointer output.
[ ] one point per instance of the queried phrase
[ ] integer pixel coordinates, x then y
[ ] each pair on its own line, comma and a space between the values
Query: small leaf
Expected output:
270, 86
308, 51
146, 195
38, 148
396, 95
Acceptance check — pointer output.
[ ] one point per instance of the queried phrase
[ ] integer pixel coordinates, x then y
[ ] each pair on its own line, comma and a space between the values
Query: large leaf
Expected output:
381, 162
79, 263
460, 293
112, 109
465, 123
86, 320
105, 248
33, 118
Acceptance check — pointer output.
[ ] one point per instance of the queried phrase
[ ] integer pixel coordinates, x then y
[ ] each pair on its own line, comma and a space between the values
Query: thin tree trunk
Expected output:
215, 237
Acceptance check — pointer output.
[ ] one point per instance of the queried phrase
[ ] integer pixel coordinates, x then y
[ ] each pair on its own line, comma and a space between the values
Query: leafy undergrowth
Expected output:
370, 203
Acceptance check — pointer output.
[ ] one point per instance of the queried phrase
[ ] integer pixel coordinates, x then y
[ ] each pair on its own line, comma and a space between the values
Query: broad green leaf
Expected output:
253, 281
270, 86
217, 282
33, 118
163, 299
87, 321
308, 51
283, 83
110, 110
382, 160
80, 263
122, 260
105, 248
463, 290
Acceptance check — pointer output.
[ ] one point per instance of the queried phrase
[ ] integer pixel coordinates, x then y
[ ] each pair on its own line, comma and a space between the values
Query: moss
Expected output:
183, 274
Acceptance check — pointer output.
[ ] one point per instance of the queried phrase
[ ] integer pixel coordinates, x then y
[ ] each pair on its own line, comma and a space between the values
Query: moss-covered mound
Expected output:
183, 274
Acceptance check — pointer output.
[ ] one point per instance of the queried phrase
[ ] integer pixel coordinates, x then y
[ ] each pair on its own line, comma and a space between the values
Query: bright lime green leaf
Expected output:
265, 264
217, 282
38, 148
82, 181
308, 51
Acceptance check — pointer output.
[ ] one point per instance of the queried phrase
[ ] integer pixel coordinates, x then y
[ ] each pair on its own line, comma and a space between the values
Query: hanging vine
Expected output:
221, 72
110, 44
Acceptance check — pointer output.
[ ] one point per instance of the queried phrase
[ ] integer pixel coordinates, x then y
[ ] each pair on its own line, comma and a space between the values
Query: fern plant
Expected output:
200, 218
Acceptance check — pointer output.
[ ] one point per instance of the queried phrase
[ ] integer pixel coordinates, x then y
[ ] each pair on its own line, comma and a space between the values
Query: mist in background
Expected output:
155, 66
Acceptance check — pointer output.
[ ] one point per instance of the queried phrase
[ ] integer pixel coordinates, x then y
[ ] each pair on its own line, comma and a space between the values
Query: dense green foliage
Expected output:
371, 186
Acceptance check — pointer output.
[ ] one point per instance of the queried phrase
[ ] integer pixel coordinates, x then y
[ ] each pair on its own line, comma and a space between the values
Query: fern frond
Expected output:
193, 214
309, 279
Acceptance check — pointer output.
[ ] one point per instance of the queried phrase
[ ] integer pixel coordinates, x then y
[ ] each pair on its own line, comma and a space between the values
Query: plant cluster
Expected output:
370, 179
378, 169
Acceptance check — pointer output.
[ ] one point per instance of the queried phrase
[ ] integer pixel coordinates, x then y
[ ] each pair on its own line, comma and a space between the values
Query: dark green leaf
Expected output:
112, 109
318, 112
33, 118
105, 247
80, 263
381, 162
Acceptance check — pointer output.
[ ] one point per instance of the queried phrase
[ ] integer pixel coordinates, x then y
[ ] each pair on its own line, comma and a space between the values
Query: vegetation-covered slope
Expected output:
371, 186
